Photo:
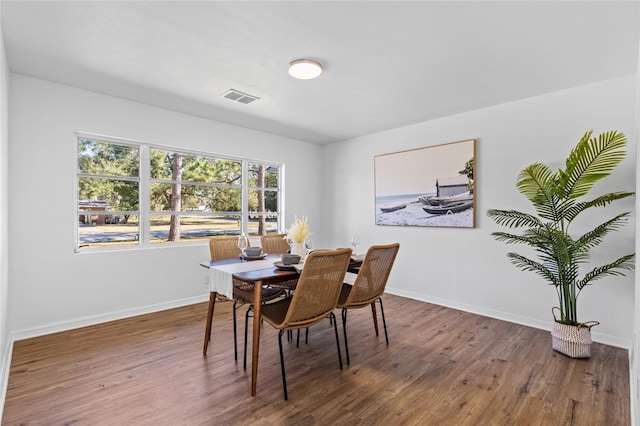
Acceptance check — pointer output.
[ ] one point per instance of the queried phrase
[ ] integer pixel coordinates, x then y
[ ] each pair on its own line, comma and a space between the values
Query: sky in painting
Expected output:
416, 171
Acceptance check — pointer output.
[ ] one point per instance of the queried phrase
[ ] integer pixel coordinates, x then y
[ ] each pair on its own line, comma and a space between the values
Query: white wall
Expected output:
5, 348
466, 268
51, 287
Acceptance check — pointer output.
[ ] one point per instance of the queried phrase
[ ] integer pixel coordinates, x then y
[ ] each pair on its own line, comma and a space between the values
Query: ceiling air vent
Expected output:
238, 96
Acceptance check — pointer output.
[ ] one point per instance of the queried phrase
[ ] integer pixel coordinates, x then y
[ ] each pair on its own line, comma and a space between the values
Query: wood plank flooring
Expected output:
442, 367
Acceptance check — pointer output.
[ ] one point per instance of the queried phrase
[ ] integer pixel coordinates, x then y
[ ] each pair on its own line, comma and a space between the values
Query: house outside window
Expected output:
136, 194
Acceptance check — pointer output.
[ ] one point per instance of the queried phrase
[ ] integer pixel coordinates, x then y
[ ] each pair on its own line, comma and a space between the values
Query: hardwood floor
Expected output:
442, 367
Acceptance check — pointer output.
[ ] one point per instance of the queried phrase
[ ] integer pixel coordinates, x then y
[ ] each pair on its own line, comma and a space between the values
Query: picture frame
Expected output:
430, 186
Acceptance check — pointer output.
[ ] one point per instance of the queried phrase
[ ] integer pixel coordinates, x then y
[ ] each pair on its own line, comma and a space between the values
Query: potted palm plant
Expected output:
561, 257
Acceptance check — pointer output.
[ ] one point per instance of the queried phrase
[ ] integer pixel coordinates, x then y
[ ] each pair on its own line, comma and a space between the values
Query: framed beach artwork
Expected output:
430, 186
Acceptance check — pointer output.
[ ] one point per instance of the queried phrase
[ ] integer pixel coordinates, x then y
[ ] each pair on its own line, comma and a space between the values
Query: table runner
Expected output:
221, 277
350, 278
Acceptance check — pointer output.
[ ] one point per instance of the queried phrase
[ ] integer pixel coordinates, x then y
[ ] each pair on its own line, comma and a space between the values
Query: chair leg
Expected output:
306, 337
207, 330
335, 328
375, 317
384, 322
284, 380
344, 329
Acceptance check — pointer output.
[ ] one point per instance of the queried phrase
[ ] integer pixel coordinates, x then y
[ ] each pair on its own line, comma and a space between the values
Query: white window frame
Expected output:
144, 201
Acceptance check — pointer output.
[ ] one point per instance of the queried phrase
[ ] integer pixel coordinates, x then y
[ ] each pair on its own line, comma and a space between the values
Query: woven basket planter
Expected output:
572, 340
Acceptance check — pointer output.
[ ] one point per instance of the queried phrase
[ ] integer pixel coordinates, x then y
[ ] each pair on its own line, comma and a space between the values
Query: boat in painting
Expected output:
434, 200
392, 209
453, 207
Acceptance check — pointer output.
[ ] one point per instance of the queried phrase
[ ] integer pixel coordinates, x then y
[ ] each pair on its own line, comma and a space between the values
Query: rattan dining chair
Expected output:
277, 244
227, 248
274, 243
315, 298
368, 287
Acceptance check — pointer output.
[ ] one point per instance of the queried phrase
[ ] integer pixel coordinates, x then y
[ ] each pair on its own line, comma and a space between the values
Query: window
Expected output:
132, 194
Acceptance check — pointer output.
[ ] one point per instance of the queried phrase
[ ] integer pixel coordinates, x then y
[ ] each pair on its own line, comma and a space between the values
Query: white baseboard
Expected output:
516, 319
99, 319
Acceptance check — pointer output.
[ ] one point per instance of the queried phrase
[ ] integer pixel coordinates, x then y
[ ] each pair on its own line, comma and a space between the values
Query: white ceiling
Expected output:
387, 63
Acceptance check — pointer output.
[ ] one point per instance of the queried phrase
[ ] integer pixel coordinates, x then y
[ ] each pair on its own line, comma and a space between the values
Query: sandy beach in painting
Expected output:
414, 215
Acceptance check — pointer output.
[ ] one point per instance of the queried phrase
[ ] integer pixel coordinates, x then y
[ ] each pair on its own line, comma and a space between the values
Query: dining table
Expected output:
260, 272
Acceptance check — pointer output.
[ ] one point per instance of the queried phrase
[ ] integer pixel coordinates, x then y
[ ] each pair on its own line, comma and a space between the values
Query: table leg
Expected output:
207, 330
257, 316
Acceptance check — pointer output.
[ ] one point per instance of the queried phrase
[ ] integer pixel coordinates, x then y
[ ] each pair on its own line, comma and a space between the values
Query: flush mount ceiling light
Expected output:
305, 69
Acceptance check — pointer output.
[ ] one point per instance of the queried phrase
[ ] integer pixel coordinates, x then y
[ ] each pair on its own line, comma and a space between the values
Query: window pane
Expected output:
263, 176
263, 201
107, 159
193, 228
195, 198
104, 230
261, 224
112, 194
173, 166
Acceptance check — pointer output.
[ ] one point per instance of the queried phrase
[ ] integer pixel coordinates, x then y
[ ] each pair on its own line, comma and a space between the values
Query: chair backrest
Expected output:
318, 288
224, 247
274, 243
373, 275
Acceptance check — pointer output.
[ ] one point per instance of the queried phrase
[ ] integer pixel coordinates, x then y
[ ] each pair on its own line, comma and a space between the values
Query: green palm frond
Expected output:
535, 182
542, 240
594, 237
527, 264
513, 238
571, 213
591, 160
513, 218
614, 268
539, 184
553, 211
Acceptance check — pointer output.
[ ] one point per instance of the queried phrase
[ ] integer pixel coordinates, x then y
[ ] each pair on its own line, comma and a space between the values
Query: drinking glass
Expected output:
355, 242
243, 243
308, 245
289, 241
